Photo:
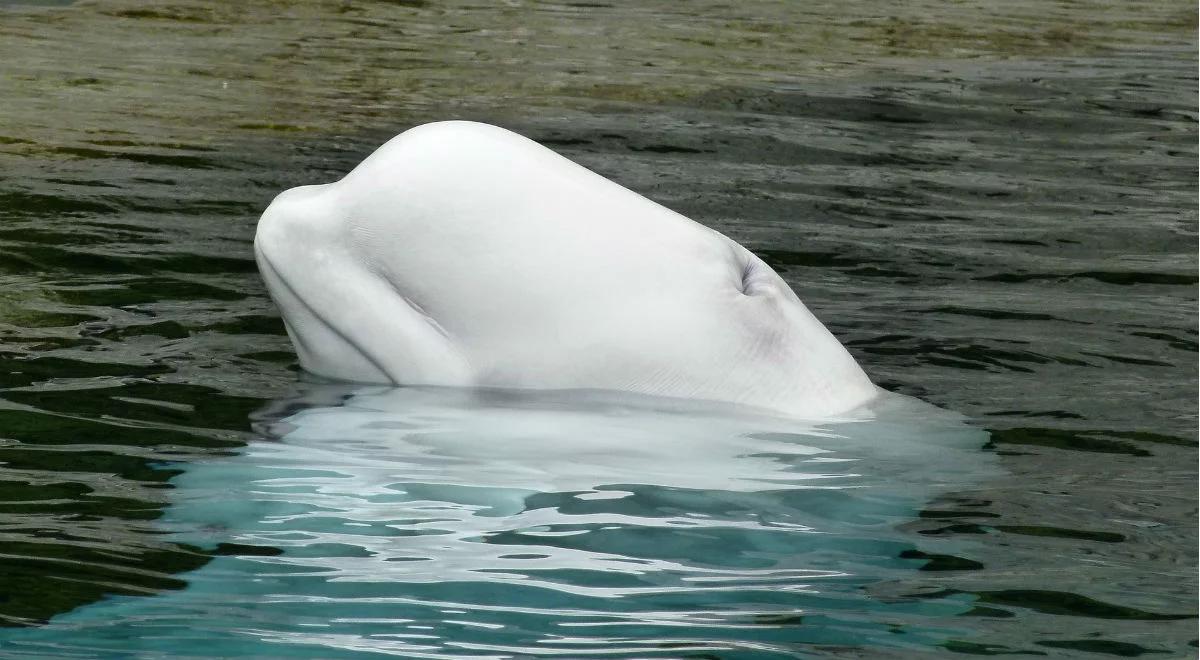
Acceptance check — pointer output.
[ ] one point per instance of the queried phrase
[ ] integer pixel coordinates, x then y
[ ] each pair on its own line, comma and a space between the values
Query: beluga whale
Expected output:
581, 429
462, 254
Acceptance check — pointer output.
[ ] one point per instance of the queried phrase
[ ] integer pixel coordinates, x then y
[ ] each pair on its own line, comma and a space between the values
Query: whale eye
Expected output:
755, 275
747, 269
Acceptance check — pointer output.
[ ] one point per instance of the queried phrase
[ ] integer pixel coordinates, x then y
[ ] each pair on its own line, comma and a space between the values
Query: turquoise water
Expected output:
993, 207
453, 524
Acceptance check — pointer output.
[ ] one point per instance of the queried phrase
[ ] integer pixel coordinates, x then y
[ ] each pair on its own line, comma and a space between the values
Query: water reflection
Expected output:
454, 522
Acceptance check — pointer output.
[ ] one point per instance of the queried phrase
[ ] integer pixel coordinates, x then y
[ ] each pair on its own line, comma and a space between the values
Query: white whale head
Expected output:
463, 254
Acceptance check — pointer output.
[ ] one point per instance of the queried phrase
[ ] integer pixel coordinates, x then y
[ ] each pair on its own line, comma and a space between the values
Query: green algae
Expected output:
266, 66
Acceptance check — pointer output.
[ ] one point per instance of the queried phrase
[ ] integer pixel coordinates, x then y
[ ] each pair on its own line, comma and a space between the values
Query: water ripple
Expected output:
992, 205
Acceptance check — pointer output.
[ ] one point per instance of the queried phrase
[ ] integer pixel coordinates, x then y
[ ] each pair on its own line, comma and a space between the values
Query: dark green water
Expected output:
993, 208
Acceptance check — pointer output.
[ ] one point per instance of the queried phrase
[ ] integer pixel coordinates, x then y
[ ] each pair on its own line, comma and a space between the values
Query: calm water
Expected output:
993, 207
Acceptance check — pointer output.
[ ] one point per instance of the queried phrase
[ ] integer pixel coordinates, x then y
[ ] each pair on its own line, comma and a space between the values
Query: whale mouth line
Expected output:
433, 323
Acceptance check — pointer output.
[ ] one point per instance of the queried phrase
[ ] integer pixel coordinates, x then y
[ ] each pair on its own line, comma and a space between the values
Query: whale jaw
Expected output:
346, 322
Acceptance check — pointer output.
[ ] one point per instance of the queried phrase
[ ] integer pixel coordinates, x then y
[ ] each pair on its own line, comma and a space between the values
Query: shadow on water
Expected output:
82, 492
455, 523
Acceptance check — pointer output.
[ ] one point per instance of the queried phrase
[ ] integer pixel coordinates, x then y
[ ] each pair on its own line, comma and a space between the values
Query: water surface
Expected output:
992, 207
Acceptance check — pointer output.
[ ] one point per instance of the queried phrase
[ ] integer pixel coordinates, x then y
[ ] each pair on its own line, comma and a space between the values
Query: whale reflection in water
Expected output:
453, 522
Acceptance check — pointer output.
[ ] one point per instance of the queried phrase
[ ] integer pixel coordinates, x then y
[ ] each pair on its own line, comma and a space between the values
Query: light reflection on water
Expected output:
453, 523
992, 205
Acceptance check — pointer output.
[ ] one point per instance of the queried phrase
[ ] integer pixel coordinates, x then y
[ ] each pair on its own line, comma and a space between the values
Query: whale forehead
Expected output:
470, 186
472, 220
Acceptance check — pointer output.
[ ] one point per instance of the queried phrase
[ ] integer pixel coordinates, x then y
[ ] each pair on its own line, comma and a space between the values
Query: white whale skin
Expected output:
463, 254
